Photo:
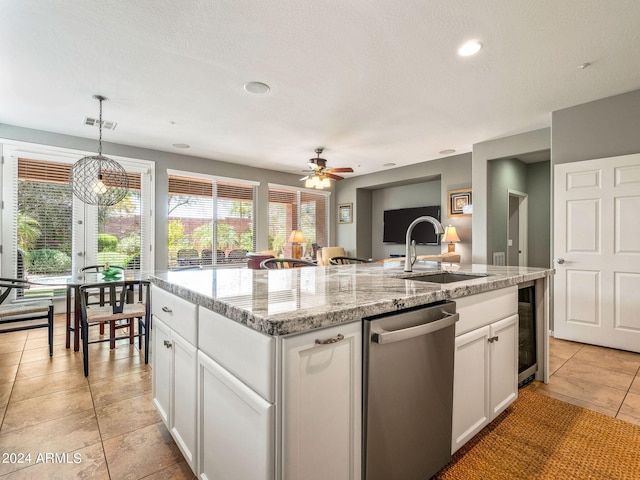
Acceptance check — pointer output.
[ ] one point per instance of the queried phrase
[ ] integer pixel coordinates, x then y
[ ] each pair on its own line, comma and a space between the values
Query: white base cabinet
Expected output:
236, 427
485, 377
174, 386
322, 404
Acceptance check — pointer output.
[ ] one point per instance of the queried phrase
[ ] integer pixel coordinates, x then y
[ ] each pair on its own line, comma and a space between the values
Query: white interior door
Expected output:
597, 252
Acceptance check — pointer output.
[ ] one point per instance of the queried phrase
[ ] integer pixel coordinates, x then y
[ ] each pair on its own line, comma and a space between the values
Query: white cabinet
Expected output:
174, 386
322, 404
236, 427
486, 362
174, 368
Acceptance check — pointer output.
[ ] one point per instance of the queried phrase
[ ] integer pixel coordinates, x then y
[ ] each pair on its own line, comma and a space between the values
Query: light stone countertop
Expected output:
282, 302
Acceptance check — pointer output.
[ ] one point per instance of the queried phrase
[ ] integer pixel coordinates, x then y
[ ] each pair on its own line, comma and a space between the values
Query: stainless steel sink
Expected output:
446, 277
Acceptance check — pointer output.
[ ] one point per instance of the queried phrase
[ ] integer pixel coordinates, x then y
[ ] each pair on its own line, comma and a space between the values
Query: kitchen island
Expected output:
257, 373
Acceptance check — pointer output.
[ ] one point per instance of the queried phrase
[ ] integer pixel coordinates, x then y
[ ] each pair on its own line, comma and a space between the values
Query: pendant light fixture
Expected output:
98, 180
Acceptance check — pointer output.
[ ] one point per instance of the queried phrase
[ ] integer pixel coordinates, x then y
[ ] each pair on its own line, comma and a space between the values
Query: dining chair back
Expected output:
340, 260
127, 300
278, 263
24, 314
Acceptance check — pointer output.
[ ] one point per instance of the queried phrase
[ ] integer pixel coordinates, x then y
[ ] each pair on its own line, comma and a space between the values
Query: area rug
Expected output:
539, 437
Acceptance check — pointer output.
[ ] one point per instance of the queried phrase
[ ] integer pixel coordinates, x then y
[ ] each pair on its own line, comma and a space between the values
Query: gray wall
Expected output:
539, 190
483, 152
164, 161
415, 195
599, 129
454, 173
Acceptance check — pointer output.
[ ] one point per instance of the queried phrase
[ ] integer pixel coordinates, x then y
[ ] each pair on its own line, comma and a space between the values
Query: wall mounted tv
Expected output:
397, 221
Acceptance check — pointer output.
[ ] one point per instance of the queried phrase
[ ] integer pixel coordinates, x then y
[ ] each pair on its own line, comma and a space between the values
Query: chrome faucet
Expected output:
410, 245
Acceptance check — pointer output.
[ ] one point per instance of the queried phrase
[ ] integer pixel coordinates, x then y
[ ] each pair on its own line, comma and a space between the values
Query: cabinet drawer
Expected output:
484, 308
180, 315
248, 354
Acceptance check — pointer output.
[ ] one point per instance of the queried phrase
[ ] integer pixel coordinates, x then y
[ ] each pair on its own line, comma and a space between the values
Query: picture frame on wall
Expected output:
345, 213
460, 202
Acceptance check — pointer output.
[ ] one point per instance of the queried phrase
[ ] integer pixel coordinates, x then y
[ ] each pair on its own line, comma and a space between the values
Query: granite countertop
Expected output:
281, 302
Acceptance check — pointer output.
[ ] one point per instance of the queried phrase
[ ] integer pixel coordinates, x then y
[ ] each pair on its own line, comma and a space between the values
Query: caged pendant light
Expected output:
98, 180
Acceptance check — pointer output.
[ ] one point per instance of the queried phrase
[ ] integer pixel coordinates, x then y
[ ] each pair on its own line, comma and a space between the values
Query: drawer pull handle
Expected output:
168, 344
493, 339
328, 341
166, 309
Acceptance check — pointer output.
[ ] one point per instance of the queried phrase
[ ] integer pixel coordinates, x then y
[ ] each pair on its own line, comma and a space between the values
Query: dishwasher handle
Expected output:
383, 336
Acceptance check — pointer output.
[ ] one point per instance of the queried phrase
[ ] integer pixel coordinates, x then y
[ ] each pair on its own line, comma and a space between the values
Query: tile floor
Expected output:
109, 429
597, 378
106, 423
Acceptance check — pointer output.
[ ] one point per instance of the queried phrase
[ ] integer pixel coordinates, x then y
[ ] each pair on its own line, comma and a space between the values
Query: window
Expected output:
296, 209
196, 205
48, 234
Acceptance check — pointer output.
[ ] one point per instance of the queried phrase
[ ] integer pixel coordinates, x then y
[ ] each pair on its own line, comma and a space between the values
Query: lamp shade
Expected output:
450, 235
296, 237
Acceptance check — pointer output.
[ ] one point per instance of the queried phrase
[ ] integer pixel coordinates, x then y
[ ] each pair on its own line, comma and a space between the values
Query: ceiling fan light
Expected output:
326, 183
309, 182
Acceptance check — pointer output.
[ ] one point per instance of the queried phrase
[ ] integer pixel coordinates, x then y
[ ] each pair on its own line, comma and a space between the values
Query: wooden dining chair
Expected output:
278, 263
24, 314
340, 260
123, 305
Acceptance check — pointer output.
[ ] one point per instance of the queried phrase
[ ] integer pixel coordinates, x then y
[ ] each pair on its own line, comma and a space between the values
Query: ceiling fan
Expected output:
319, 174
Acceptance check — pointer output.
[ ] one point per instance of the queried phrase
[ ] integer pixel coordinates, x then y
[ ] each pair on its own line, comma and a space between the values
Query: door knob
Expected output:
560, 261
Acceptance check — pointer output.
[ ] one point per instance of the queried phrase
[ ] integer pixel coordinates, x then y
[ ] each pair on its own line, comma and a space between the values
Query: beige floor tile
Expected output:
42, 353
547, 390
178, 471
8, 373
5, 392
50, 365
10, 347
555, 363
125, 416
60, 435
100, 371
122, 388
601, 376
13, 337
141, 453
564, 348
27, 388
43, 341
635, 386
600, 395
614, 360
12, 358
631, 405
628, 418
46, 407
86, 463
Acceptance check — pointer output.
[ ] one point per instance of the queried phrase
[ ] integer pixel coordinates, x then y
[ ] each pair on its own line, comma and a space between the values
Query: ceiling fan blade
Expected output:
342, 169
304, 178
331, 175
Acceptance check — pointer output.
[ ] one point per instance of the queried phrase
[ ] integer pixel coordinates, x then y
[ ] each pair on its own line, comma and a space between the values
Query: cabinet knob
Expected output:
168, 344
166, 309
493, 339
560, 261
335, 339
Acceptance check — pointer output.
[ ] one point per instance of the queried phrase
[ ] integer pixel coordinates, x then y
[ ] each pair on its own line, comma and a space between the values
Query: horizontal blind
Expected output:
195, 206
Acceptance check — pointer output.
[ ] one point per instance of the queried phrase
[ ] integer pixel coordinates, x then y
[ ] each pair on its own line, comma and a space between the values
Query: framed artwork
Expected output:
345, 213
458, 200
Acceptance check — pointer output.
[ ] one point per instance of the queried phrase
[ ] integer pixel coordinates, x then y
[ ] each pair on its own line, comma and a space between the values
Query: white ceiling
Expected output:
372, 81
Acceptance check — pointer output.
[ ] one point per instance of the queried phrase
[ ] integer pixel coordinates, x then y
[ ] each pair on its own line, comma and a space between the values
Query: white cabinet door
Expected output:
162, 360
504, 364
322, 404
184, 393
471, 376
235, 427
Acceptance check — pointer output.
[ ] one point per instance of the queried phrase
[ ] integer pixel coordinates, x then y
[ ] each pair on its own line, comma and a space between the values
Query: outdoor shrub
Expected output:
48, 260
112, 258
130, 245
107, 243
133, 262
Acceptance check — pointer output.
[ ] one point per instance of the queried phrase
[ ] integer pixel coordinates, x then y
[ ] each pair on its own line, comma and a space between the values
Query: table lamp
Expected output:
296, 238
451, 236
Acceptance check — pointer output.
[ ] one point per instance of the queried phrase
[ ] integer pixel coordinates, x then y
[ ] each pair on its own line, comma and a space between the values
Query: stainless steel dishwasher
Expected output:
408, 392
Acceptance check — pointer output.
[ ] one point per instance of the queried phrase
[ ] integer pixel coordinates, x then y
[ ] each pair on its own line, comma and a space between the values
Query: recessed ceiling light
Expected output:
448, 151
181, 145
257, 88
390, 164
584, 65
469, 48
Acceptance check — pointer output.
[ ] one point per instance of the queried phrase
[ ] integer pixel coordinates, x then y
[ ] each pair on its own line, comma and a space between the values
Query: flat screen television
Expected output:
397, 221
